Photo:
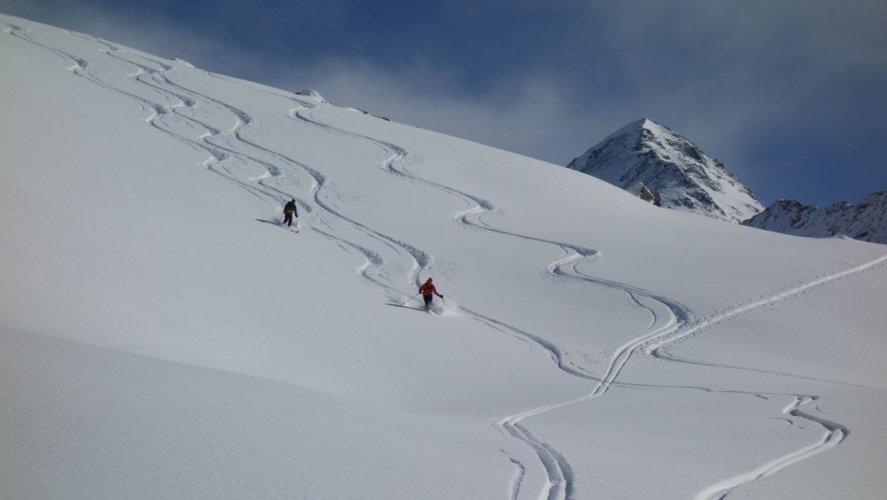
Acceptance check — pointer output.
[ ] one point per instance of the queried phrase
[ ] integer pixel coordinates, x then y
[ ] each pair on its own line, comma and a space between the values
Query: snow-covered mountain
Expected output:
866, 221
162, 335
677, 172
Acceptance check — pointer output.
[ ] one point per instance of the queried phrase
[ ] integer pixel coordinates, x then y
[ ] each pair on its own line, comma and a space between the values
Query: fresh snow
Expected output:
866, 221
645, 154
161, 336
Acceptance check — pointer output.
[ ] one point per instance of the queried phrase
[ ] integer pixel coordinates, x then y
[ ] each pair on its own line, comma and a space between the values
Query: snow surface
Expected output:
162, 336
680, 175
866, 221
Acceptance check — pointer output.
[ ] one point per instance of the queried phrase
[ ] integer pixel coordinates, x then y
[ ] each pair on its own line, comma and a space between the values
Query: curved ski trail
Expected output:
235, 144
671, 321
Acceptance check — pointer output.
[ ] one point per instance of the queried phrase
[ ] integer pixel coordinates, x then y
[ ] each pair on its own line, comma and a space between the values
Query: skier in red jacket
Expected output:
428, 292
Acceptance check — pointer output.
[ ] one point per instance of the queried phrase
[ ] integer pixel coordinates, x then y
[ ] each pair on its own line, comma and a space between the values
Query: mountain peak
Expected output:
677, 171
640, 123
634, 127
864, 221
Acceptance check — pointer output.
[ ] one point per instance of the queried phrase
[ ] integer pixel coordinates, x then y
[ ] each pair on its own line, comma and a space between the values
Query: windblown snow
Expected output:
163, 336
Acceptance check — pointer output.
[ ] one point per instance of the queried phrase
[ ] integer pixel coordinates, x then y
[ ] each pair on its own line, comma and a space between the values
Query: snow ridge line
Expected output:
674, 322
303, 113
371, 269
560, 479
560, 476
659, 340
222, 154
158, 111
81, 69
477, 207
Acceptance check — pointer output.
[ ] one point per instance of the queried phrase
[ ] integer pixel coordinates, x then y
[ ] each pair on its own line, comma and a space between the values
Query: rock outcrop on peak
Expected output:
677, 172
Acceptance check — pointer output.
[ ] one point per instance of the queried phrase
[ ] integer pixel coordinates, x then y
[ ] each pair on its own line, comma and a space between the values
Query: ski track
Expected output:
671, 322
231, 147
559, 475
833, 435
678, 325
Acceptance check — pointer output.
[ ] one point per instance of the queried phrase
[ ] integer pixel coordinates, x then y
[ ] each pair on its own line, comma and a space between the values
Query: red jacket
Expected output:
427, 289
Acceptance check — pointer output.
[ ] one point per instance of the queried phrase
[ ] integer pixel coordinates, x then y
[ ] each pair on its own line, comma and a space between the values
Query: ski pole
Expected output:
409, 299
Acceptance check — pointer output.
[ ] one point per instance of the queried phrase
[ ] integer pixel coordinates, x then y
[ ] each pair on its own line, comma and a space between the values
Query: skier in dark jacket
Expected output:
288, 211
428, 292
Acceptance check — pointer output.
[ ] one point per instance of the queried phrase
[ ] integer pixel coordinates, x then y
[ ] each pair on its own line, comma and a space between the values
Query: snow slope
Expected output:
680, 175
161, 336
866, 221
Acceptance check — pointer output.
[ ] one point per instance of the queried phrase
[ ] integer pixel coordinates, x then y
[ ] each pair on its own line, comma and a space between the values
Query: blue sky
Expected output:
790, 94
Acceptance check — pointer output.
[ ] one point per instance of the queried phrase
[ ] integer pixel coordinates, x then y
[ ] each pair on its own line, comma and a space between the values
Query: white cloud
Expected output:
526, 115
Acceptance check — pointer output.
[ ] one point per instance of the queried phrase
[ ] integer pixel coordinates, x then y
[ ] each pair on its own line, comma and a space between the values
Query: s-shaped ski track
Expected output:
674, 325
672, 322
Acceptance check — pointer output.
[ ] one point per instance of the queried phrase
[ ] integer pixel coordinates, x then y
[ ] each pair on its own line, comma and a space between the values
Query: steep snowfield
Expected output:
866, 221
162, 337
680, 175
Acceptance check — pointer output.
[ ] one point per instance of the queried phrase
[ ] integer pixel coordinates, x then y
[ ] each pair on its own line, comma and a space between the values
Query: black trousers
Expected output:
427, 300
288, 219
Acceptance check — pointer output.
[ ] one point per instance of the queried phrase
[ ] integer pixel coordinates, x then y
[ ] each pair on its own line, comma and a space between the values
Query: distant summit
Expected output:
646, 155
866, 221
